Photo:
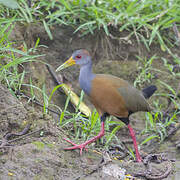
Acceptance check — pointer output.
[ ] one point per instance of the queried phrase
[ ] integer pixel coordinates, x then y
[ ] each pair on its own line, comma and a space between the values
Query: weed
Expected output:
145, 69
147, 20
157, 126
11, 58
83, 127
158, 122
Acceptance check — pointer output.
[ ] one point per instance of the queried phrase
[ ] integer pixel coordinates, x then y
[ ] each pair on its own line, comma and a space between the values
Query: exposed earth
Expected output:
40, 155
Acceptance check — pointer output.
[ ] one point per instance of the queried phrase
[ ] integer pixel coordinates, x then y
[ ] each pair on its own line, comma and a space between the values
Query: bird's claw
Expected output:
76, 146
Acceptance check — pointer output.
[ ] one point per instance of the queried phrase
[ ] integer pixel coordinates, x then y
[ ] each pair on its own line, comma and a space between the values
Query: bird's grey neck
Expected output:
85, 78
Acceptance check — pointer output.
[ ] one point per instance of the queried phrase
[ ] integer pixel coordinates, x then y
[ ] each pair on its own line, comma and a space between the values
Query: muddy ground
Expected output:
41, 155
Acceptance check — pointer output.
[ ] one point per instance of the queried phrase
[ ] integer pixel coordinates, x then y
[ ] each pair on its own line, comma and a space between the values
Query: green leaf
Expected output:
104, 26
168, 87
149, 138
47, 30
153, 34
132, 153
61, 118
113, 133
84, 25
53, 91
40, 145
14, 50
10, 3
66, 4
19, 61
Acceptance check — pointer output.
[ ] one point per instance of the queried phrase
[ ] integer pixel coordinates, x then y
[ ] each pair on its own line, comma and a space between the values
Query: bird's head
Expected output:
80, 57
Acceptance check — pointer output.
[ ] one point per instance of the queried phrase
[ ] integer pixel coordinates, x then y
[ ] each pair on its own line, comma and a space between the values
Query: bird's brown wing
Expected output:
115, 96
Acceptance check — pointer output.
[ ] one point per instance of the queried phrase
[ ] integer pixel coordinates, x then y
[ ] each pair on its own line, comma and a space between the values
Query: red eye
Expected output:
78, 57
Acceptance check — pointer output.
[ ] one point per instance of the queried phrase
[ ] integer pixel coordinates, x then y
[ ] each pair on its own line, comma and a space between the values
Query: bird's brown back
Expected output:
116, 96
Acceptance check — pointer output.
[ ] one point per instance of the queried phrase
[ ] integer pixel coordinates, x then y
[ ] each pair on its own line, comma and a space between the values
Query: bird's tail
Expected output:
148, 92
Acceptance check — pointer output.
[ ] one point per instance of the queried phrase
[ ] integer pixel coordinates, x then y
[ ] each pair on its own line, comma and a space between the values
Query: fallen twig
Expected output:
105, 160
13, 140
6, 143
55, 77
24, 131
156, 158
162, 175
37, 103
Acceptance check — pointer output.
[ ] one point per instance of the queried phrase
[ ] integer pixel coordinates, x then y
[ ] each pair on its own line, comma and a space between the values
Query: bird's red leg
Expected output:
83, 145
138, 157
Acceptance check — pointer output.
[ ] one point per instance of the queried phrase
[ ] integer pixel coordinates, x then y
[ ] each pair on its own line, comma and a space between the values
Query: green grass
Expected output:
157, 126
81, 127
145, 71
158, 121
149, 21
12, 59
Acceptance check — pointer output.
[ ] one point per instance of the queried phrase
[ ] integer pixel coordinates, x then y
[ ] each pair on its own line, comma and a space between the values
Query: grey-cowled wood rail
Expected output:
110, 95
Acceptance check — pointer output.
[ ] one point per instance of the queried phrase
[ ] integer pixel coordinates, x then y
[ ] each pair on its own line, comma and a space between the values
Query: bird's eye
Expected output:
78, 57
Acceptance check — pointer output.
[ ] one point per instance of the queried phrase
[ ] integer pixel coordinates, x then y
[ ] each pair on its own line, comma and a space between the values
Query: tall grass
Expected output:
11, 58
147, 20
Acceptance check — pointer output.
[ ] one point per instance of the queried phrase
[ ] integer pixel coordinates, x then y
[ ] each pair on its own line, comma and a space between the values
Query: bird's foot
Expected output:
76, 146
138, 159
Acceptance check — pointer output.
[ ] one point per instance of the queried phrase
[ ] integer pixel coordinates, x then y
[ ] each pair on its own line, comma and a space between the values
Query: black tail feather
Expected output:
148, 92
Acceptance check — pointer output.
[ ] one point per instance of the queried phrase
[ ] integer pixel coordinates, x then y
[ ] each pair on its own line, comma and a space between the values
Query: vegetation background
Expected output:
153, 25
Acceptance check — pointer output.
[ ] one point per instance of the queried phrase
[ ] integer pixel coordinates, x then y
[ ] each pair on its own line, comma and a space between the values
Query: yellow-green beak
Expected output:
68, 63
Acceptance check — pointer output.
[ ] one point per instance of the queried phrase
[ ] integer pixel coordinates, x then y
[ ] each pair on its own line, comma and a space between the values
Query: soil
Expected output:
41, 155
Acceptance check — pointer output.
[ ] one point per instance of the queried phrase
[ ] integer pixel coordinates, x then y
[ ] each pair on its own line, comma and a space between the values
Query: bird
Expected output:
110, 95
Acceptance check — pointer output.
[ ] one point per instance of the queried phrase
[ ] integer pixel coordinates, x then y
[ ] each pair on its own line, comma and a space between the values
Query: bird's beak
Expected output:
68, 63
